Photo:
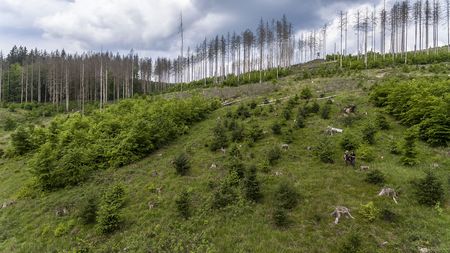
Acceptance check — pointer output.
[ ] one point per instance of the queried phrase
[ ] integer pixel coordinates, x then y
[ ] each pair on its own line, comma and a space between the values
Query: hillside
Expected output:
261, 118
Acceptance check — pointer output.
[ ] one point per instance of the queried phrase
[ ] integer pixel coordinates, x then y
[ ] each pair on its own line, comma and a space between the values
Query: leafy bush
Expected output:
273, 155
255, 133
183, 204
21, 141
368, 133
287, 114
276, 128
88, 213
429, 190
286, 196
365, 153
108, 214
352, 244
326, 110
382, 122
349, 141
181, 164
306, 93
226, 192
300, 121
236, 167
220, 139
252, 185
9, 124
409, 150
369, 212
375, 177
315, 108
242, 112
280, 217
388, 215
394, 147
325, 150
238, 133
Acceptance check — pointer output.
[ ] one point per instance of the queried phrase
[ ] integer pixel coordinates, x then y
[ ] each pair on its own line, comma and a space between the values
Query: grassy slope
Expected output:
29, 225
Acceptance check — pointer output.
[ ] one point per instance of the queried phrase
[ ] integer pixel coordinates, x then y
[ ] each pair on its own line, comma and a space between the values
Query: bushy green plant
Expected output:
109, 217
365, 153
88, 212
21, 141
181, 164
352, 244
220, 139
280, 217
276, 128
306, 93
183, 204
252, 185
375, 177
226, 193
286, 196
381, 122
273, 155
9, 124
315, 107
394, 147
325, 150
300, 121
255, 133
242, 112
369, 212
368, 133
349, 141
429, 190
326, 110
287, 114
388, 215
409, 150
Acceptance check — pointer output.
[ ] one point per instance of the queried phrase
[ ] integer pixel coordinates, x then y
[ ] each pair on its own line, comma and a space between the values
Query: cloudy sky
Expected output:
150, 27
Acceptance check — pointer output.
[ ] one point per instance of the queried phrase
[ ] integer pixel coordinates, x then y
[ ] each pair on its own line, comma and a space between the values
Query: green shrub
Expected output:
326, 110
287, 114
255, 133
409, 150
236, 167
181, 164
286, 196
306, 93
237, 133
352, 244
252, 185
349, 142
382, 122
369, 212
365, 153
368, 133
109, 217
183, 205
315, 108
220, 139
88, 213
276, 128
288, 136
394, 147
9, 124
21, 141
63, 228
273, 155
300, 121
325, 150
429, 190
375, 177
388, 215
226, 192
242, 112
280, 217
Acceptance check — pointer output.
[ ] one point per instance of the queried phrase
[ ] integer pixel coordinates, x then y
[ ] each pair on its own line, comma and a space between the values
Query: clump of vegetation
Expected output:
349, 141
21, 141
300, 121
287, 114
382, 122
181, 164
429, 190
366, 153
388, 215
394, 147
276, 128
325, 150
352, 244
226, 193
375, 177
315, 107
280, 217
326, 110
369, 212
220, 139
9, 124
273, 155
183, 205
109, 217
242, 112
286, 196
409, 150
368, 133
306, 93
255, 133
252, 185
88, 213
